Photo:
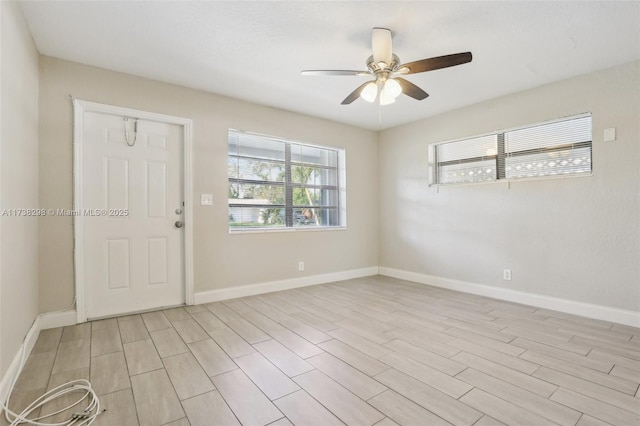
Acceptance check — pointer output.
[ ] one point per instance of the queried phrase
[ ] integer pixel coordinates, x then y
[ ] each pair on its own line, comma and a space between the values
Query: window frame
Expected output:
289, 185
500, 157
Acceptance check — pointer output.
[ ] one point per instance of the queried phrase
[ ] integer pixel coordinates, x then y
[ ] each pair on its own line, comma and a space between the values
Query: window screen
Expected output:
276, 183
562, 147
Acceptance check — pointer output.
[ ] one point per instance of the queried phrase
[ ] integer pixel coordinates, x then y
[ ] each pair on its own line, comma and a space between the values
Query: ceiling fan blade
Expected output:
354, 95
381, 44
410, 89
334, 72
437, 63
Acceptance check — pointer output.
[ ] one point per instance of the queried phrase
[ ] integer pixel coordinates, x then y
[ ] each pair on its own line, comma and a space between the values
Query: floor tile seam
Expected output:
100, 395
367, 375
523, 408
582, 412
122, 342
337, 384
582, 392
157, 353
412, 401
194, 395
256, 386
590, 381
433, 388
164, 367
275, 366
609, 357
532, 375
449, 358
150, 371
23, 363
136, 340
555, 349
135, 403
317, 400
548, 398
604, 346
515, 357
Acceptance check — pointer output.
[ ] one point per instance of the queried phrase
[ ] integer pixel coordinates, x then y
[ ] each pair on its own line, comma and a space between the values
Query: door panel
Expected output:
117, 183
157, 255
156, 189
133, 254
118, 265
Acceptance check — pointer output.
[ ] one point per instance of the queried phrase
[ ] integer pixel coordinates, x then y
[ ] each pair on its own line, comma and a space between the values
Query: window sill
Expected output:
271, 230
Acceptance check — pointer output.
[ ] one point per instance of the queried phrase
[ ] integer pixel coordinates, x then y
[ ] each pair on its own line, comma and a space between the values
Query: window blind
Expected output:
558, 148
469, 160
561, 147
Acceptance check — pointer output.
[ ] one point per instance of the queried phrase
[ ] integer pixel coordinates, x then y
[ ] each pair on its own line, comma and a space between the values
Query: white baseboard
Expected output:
42, 322
58, 319
266, 287
23, 353
589, 310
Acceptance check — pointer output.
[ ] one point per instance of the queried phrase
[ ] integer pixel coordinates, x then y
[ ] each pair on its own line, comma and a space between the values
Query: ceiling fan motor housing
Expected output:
375, 67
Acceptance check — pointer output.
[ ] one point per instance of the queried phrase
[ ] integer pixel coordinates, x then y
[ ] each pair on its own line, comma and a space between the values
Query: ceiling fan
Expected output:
385, 67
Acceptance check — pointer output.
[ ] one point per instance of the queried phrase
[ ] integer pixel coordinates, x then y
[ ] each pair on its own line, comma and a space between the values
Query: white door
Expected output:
132, 198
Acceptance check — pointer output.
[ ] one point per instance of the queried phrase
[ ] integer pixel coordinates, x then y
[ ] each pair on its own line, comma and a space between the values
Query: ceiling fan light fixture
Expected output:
392, 88
370, 92
386, 98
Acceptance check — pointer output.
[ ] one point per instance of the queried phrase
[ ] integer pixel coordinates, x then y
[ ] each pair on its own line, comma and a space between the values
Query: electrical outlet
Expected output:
506, 275
300, 266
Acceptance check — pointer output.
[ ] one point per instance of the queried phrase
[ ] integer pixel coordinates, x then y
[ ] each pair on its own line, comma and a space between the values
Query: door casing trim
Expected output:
80, 107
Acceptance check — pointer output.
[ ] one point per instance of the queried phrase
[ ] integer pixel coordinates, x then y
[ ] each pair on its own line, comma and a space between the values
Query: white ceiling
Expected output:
256, 50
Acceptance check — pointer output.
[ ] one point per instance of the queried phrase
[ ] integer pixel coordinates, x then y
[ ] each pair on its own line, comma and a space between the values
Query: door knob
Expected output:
179, 224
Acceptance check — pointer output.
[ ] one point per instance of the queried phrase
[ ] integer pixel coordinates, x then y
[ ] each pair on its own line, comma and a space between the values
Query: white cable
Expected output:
71, 306
80, 418
85, 416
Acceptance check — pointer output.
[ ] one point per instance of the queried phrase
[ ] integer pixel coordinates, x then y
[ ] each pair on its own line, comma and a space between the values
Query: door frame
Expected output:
80, 107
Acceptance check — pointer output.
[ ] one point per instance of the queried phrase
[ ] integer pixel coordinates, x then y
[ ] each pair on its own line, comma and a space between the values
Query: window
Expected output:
557, 148
274, 183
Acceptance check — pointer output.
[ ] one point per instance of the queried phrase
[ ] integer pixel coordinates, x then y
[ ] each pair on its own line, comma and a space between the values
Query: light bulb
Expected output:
392, 88
369, 92
385, 97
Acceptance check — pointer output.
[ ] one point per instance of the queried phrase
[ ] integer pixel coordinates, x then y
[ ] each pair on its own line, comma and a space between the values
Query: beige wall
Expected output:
221, 260
18, 181
575, 238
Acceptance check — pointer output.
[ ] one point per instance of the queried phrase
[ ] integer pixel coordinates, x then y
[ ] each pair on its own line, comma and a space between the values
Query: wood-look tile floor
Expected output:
371, 351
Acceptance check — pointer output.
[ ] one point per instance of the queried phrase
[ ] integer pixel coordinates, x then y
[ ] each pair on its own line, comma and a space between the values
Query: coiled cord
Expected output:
85, 416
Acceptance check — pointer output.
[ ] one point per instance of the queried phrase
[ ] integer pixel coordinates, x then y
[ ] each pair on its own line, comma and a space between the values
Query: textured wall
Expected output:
572, 238
19, 181
221, 260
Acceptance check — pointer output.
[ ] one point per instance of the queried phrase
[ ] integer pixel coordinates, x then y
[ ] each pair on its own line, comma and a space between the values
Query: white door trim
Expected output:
80, 108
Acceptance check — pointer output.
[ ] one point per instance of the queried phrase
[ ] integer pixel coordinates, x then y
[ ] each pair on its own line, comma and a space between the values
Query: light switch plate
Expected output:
206, 199
610, 134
